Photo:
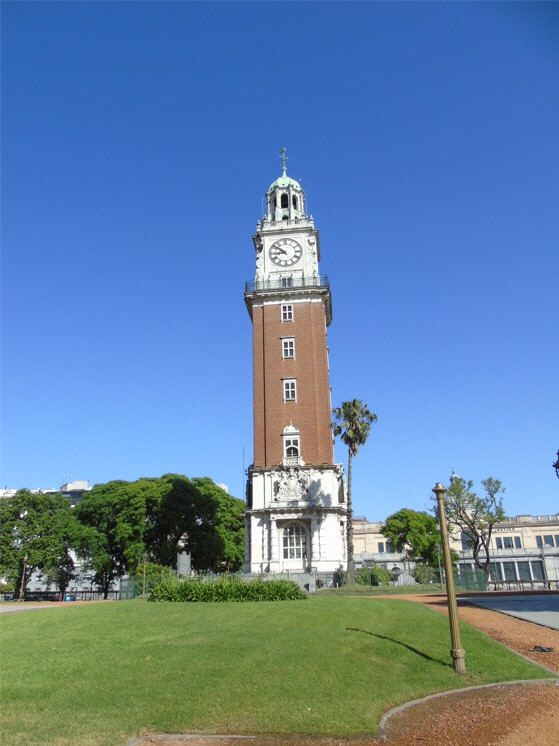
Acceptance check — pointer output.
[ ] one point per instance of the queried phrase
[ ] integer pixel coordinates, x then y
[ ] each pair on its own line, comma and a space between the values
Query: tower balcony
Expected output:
287, 283
279, 288
285, 224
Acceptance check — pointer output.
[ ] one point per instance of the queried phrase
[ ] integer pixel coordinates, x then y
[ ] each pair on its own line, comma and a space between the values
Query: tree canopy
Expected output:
159, 517
414, 532
37, 532
475, 516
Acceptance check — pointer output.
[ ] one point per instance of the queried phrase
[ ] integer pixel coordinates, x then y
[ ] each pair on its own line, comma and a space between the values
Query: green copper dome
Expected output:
285, 182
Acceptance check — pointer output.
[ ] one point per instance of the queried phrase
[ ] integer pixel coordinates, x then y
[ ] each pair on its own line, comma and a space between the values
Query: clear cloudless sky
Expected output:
138, 141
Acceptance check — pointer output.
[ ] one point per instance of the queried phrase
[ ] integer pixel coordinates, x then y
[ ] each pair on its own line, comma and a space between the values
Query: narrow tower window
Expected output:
290, 389
294, 202
287, 312
288, 347
291, 446
284, 200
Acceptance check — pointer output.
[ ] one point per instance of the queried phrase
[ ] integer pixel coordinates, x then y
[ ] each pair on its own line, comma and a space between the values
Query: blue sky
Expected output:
138, 140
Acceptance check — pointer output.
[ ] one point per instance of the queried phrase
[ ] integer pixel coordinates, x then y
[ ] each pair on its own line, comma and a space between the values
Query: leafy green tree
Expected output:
352, 423
229, 526
475, 516
37, 532
414, 532
159, 517
114, 517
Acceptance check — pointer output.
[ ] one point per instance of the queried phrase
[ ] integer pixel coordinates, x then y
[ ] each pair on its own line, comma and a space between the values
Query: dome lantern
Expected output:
285, 197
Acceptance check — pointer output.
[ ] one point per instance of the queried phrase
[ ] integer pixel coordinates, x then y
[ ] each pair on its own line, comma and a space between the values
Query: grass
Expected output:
102, 674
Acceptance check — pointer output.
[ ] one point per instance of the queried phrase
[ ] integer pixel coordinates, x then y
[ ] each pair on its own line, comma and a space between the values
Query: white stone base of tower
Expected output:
296, 520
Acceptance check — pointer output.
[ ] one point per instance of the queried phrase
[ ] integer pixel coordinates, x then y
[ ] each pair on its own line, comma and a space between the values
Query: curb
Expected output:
381, 733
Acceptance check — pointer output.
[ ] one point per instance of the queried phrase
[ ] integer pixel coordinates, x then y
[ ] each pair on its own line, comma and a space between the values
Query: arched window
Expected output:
294, 202
294, 541
291, 444
284, 200
292, 447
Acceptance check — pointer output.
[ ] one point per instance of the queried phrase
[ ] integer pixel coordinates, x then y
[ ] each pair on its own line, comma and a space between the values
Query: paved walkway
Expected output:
538, 608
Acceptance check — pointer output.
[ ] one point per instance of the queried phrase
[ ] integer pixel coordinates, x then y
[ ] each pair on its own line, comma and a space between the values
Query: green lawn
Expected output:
104, 673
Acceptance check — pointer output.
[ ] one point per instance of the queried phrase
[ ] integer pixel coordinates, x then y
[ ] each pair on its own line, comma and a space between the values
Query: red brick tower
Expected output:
296, 507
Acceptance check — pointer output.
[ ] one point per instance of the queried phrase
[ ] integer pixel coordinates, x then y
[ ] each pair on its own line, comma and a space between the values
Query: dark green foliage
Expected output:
159, 517
153, 572
37, 532
372, 576
339, 577
228, 525
414, 532
422, 574
226, 589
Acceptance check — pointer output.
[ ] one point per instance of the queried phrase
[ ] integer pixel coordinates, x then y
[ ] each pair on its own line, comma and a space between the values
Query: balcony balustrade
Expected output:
287, 283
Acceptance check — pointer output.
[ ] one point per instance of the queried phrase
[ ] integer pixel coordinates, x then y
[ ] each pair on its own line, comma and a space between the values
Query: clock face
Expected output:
285, 252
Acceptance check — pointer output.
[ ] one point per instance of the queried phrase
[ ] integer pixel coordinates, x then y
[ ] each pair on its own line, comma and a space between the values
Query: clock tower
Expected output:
296, 510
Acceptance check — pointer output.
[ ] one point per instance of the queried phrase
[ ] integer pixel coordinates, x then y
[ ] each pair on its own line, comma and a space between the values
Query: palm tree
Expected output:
352, 422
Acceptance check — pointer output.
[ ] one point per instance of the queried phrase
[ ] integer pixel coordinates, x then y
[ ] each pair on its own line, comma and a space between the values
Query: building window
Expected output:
294, 200
524, 570
284, 200
467, 542
517, 542
294, 542
288, 347
507, 541
287, 312
384, 547
510, 570
287, 282
495, 572
537, 570
291, 447
290, 389
499, 542
544, 541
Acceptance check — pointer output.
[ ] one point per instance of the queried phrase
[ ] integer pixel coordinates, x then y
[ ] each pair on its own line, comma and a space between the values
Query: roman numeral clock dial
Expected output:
285, 252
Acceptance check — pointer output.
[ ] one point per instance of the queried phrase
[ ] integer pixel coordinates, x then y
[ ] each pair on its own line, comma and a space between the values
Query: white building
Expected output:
524, 551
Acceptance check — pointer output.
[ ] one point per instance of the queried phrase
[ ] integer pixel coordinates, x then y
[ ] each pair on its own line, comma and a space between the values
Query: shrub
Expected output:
339, 577
423, 574
226, 589
372, 576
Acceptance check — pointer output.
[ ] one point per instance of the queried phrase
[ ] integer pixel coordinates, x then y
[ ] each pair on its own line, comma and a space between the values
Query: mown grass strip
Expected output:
101, 674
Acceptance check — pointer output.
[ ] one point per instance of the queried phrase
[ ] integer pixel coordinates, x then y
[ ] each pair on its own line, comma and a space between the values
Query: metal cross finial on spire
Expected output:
283, 157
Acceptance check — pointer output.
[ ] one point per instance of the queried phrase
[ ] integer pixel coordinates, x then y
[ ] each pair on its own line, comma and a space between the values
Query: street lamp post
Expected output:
457, 651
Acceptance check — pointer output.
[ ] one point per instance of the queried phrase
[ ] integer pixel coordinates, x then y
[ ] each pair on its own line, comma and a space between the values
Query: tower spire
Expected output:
283, 157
